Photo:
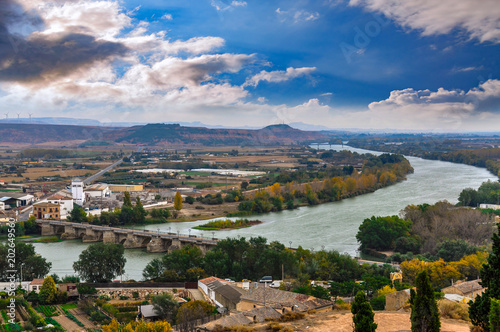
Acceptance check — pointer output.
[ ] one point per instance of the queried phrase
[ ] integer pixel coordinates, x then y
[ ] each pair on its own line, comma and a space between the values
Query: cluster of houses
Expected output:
253, 302
36, 284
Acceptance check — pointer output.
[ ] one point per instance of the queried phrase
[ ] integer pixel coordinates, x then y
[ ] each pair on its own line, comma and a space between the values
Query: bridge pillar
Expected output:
109, 237
48, 229
91, 236
157, 245
176, 244
133, 241
69, 233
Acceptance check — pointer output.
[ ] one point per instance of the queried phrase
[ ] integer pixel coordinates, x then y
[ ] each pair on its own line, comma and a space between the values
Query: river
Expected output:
329, 226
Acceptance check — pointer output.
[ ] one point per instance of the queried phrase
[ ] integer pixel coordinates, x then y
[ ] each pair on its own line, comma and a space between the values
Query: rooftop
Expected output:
208, 280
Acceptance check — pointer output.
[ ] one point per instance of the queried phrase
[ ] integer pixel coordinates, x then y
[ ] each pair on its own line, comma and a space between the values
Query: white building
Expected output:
2, 206
77, 191
97, 190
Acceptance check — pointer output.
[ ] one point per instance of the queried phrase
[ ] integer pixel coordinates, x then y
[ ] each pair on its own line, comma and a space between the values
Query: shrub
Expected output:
341, 305
453, 310
291, 316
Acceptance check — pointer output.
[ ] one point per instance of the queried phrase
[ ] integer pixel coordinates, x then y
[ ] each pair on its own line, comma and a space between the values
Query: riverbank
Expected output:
332, 226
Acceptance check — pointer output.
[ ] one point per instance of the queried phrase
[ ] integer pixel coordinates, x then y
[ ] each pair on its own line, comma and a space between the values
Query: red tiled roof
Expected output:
208, 280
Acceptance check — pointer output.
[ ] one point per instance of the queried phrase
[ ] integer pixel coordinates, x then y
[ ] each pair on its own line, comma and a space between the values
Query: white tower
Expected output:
77, 191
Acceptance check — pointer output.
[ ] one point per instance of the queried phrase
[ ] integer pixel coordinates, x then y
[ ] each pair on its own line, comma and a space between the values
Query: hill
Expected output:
156, 134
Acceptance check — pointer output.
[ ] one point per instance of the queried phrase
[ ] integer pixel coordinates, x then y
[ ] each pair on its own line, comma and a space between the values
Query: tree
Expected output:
480, 308
100, 262
194, 310
126, 199
381, 233
495, 315
34, 266
424, 312
165, 306
244, 185
362, 314
139, 214
77, 215
178, 201
48, 291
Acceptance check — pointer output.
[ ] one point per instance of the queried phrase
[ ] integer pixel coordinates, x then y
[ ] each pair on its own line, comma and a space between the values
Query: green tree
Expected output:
48, 291
194, 310
139, 212
480, 308
381, 233
30, 226
34, 266
100, 262
178, 201
77, 215
424, 312
495, 315
362, 314
126, 199
165, 306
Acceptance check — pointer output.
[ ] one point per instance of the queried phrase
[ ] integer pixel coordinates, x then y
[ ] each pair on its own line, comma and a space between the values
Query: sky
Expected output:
411, 65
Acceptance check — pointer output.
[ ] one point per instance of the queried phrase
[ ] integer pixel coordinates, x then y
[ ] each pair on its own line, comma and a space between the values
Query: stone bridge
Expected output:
130, 238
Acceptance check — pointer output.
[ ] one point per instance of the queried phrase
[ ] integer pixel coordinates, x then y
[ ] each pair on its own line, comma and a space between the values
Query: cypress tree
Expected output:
362, 314
495, 316
424, 312
479, 310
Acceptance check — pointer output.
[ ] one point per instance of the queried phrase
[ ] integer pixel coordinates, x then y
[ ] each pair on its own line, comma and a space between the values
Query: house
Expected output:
15, 200
228, 296
2, 206
47, 210
69, 288
97, 190
203, 284
147, 313
65, 204
282, 300
35, 285
468, 289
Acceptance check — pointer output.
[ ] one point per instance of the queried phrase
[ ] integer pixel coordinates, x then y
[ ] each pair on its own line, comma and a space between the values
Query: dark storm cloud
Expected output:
41, 57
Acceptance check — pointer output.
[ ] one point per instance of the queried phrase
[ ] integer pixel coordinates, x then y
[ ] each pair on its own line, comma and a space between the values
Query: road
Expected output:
91, 178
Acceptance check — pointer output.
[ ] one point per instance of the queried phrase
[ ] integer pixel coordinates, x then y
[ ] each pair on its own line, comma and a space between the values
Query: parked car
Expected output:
266, 279
276, 284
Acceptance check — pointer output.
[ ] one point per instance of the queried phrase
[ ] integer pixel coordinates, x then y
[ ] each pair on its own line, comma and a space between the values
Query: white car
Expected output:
276, 284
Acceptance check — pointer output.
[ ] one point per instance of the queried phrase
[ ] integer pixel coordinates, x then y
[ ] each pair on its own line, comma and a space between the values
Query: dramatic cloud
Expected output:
480, 19
279, 75
445, 109
42, 56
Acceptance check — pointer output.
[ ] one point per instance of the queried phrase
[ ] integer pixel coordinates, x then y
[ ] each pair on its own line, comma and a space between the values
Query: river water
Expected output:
330, 226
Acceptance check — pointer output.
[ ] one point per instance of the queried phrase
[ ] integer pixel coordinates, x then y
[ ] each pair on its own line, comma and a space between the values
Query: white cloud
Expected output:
279, 75
167, 17
296, 15
480, 19
444, 109
223, 5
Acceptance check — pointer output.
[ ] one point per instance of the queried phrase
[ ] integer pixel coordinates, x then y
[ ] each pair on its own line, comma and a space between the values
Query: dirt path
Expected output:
68, 324
82, 317
387, 322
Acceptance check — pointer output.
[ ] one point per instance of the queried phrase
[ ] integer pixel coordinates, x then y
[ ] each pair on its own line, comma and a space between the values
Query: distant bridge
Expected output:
130, 238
